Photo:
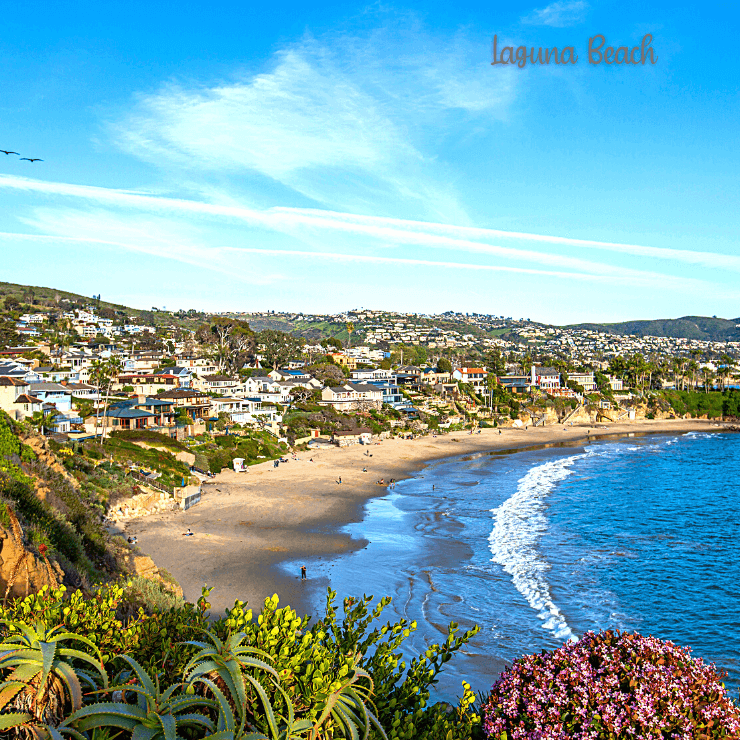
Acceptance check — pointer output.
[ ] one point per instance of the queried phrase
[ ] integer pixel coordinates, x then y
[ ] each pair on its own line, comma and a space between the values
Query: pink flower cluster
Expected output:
611, 685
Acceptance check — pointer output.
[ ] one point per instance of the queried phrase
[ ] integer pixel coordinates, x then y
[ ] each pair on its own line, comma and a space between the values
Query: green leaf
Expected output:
72, 682
13, 719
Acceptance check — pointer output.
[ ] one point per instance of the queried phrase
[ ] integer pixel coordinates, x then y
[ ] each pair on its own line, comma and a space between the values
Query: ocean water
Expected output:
537, 547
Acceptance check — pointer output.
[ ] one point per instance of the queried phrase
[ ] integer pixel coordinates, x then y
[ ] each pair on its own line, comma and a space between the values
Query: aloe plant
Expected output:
156, 715
231, 727
223, 663
43, 682
348, 706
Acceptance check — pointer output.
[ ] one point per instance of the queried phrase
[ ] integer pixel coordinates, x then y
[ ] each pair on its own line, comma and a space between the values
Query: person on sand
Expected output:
340, 479
381, 482
364, 470
188, 533
303, 572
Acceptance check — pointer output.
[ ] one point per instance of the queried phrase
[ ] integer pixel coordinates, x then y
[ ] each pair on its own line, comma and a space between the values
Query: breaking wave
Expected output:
519, 523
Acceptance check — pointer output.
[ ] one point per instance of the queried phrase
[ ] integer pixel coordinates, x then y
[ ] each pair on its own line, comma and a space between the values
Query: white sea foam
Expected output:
519, 523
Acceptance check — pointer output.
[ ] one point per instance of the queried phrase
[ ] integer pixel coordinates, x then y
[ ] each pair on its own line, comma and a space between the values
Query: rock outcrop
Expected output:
143, 504
143, 565
23, 572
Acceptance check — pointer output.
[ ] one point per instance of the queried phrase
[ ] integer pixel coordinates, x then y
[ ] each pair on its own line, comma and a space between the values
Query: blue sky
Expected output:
302, 157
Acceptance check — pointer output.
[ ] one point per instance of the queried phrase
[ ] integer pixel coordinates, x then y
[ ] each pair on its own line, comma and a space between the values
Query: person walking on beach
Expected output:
340, 479
303, 572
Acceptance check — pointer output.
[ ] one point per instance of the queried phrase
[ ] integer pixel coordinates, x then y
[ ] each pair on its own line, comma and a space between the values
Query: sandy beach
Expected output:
249, 523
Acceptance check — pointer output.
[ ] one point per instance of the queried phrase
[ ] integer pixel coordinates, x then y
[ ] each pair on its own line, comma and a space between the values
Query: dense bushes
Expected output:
77, 535
123, 451
611, 685
343, 677
712, 404
218, 454
150, 437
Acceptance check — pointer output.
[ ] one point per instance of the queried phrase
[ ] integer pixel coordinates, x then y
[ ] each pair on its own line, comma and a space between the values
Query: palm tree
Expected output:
693, 368
724, 370
350, 329
41, 421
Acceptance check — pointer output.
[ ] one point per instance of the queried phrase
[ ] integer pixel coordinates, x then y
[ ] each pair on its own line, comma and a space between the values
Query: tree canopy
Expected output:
230, 342
277, 347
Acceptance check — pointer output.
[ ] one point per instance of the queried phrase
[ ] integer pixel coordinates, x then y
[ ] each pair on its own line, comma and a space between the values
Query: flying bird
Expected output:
5, 152
26, 159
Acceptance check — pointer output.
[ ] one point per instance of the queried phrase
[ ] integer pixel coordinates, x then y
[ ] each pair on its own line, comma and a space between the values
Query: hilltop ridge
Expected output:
313, 327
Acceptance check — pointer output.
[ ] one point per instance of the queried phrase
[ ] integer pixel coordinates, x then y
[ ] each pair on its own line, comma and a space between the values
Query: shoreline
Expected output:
249, 524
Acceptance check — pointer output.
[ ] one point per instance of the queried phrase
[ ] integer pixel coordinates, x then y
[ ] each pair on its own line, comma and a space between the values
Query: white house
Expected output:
584, 379
352, 396
545, 378
375, 374
475, 376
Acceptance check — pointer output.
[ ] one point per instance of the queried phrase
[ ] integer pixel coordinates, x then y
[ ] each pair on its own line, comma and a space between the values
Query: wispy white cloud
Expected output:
384, 230
157, 237
225, 259
558, 14
341, 119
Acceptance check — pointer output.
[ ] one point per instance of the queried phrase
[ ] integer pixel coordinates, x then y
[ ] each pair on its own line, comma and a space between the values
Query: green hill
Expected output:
35, 298
687, 327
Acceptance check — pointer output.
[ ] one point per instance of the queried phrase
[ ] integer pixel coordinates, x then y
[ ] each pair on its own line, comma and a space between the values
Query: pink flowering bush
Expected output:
611, 685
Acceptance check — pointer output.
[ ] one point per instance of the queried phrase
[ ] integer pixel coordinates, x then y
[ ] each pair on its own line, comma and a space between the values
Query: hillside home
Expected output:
55, 394
341, 359
196, 403
475, 376
222, 384
352, 396
378, 373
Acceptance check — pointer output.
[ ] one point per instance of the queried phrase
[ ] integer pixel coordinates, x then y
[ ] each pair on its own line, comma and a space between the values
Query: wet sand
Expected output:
249, 523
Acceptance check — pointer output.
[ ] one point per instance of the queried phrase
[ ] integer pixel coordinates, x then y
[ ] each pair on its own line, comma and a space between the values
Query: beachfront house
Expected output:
516, 383
545, 378
585, 379
240, 410
352, 397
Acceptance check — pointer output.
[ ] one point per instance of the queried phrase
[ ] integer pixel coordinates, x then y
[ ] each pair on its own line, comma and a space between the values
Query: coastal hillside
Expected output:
54, 502
688, 327
39, 298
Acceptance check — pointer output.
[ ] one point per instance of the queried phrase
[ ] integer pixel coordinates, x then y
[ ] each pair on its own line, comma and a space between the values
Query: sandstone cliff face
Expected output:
143, 565
25, 571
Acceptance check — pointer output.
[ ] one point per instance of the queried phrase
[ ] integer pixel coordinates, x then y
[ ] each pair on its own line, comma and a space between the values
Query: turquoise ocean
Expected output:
639, 533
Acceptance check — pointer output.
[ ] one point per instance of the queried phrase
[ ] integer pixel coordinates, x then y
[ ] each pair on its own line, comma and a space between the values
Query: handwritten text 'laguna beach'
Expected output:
522, 55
